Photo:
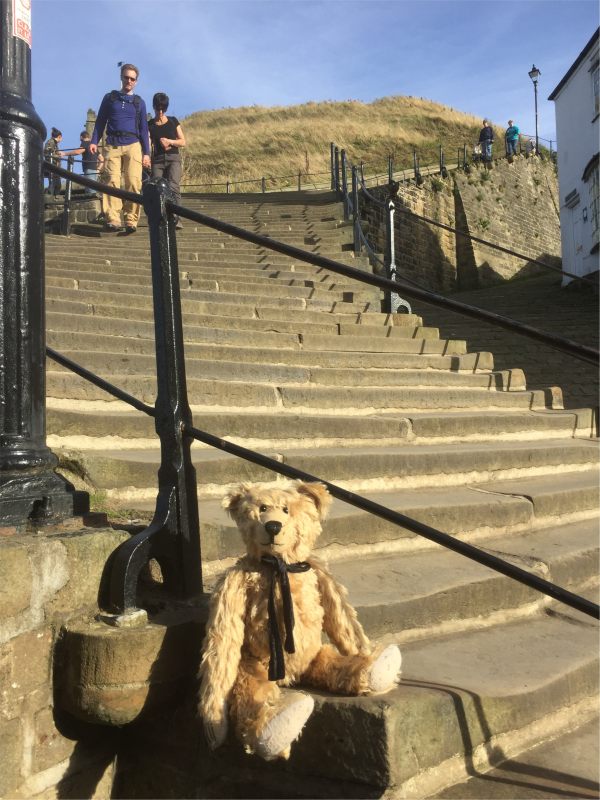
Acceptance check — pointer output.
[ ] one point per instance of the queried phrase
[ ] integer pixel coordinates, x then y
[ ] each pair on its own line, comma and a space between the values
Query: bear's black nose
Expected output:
272, 527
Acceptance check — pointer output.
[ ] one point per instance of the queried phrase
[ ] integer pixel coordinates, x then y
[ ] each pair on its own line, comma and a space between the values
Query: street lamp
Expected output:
534, 74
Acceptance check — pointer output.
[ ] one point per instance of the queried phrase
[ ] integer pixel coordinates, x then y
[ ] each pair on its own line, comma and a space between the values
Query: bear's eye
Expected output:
263, 508
285, 510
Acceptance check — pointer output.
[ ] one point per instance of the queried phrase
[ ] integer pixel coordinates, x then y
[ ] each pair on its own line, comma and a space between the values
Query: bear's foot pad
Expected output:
385, 670
276, 737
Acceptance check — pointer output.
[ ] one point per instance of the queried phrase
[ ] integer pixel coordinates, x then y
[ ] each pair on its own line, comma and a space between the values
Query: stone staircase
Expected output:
299, 363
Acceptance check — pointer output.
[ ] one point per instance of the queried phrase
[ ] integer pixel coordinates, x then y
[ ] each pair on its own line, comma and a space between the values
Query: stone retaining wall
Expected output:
46, 579
514, 205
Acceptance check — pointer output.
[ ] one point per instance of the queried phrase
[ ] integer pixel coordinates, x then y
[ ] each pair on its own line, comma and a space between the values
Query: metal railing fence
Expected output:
173, 538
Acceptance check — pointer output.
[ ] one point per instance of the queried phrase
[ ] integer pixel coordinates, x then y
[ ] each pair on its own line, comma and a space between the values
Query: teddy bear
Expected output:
267, 618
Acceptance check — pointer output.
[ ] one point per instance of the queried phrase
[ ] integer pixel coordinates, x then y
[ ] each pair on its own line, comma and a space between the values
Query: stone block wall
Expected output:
423, 253
46, 579
514, 205
82, 210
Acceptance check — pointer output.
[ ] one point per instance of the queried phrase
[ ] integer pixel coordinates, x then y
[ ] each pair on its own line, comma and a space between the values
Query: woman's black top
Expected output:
157, 132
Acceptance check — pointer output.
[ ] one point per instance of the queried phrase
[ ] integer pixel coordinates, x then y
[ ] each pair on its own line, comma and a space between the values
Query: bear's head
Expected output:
284, 522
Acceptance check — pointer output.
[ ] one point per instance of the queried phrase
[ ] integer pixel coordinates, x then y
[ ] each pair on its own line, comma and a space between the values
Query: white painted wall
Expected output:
577, 127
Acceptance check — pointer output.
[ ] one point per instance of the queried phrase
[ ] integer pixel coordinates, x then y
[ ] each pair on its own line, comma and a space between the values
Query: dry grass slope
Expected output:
246, 143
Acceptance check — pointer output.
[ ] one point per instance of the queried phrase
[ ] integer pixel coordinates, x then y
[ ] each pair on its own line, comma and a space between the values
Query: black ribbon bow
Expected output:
280, 573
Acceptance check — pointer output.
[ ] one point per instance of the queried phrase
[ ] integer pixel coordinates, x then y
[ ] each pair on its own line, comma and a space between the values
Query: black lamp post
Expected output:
30, 490
534, 74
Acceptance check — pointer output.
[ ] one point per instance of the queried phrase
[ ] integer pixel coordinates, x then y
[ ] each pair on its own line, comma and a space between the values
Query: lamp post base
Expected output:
38, 499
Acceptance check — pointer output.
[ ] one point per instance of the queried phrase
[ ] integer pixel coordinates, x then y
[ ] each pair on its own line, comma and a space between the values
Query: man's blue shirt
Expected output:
118, 116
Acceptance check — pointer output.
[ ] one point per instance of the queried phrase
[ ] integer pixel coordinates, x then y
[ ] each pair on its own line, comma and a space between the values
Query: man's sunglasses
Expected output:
129, 78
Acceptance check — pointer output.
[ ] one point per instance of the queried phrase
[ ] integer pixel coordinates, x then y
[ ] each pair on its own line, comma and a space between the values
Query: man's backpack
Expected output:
137, 102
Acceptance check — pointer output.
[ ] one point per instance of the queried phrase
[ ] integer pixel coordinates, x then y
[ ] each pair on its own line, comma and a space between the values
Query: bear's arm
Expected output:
222, 650
340, 622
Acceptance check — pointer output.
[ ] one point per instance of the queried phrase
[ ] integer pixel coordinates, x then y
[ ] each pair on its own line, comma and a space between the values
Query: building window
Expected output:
596, 87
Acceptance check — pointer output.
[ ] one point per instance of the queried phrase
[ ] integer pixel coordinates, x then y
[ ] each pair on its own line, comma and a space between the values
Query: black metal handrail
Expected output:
175, 518
298, 176
477, 554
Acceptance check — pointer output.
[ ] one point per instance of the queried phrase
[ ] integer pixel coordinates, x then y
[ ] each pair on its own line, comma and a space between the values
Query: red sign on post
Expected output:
22, 20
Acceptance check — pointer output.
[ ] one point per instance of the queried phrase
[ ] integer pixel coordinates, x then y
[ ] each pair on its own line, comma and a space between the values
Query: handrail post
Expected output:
227, 189
345, 186
173, 537
392, 302
390, 168
299, 180
443, 170
262, 185
332, 164
355, 211
336, 169
417, 169
65, 227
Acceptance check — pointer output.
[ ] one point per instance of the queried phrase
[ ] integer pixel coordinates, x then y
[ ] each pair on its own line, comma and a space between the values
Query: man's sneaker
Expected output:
130, 229
108, 226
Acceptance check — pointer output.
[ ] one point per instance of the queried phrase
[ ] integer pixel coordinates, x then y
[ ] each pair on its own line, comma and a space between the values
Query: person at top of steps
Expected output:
123, 114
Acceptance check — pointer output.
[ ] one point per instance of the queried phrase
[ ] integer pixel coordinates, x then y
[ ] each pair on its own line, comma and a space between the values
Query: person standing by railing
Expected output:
512, 138
486, 139
91, 163
123, 114
166, 137
52, 154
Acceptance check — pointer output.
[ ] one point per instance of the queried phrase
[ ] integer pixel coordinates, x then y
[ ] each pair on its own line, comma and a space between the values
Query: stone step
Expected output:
466, 700
324, 325
138, 338
259, 430
471, 513
226, 314
199, 259
565, 766
299, 395
476, 690
126, 271
235, 279
374, 343
70, 257
145, 365
294, 297
140, 248
343, 315
359, 469
417, 595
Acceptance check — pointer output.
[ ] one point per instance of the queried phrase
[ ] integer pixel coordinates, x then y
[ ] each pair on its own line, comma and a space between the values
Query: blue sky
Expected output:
473, 55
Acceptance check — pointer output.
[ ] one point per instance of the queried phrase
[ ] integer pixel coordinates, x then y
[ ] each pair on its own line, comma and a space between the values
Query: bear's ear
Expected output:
234, 497
318, 493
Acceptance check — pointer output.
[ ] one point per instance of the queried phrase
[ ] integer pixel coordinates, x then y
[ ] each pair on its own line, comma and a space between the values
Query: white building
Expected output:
577, 107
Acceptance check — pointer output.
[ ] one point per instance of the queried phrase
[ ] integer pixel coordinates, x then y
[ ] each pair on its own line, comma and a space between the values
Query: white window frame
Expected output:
594, 183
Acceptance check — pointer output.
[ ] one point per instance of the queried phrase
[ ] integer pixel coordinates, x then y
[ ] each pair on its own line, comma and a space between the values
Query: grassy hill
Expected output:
247, 143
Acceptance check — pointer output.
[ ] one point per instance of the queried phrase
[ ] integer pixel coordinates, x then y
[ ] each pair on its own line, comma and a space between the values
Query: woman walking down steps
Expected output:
166, 137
